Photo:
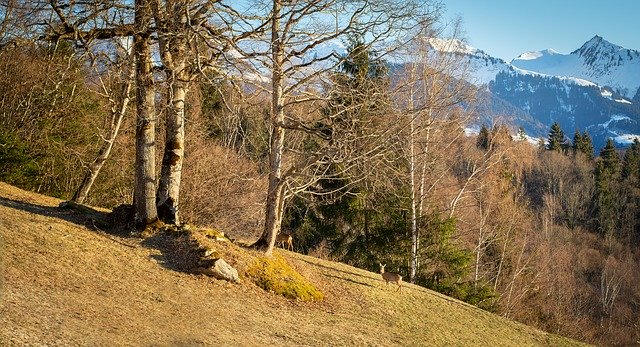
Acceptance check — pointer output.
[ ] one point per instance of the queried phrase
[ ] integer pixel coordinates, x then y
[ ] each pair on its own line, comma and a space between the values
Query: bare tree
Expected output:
190, 41
84, 23
193, 38
173, 19
430, 93
119, 101
297, 64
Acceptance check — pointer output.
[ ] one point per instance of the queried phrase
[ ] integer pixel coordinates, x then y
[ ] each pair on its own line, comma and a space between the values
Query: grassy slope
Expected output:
63, 284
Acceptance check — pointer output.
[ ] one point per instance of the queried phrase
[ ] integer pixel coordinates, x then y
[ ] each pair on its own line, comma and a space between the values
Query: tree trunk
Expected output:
275, 195
414, 209
116, 121
145, 176
172, 39
171, 173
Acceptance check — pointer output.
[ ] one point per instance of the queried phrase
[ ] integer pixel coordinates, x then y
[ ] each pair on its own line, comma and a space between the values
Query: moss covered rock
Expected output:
276, 275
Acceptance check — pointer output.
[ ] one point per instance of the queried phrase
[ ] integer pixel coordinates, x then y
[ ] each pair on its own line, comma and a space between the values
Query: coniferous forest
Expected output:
234, 116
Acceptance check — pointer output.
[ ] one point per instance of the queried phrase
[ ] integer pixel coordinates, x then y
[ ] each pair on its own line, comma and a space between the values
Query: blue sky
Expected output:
506, 28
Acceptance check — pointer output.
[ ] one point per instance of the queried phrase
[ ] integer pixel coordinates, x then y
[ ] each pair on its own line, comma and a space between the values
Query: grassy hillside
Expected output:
66, 283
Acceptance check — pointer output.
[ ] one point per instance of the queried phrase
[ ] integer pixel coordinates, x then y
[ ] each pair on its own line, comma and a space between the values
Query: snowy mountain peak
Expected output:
480, 69
452, 46
595, 87
597, 43
598, 49
537, 54
598, 61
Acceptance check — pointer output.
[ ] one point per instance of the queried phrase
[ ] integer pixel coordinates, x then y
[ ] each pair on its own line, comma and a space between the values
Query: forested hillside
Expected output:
232, 116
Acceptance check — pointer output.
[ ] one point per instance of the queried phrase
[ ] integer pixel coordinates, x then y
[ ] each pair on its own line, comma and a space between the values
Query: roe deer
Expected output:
390, 277
281, 239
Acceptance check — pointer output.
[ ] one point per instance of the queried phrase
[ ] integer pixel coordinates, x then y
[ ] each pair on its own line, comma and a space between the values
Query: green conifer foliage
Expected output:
630, 189
582, 144
606, 203
631, 160
557, 141
483, 140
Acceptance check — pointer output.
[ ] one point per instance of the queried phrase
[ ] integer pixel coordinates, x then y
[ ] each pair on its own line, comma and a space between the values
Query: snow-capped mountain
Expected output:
479, 67
598, 61
575, 104
594, 88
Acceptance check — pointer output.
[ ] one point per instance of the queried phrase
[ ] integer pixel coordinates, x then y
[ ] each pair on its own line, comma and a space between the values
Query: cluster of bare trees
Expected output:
158, 49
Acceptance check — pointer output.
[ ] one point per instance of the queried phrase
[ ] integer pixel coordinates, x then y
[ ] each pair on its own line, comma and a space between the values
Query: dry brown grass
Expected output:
68, 285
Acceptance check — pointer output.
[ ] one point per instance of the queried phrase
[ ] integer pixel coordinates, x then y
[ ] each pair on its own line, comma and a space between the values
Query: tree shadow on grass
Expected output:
350, 280
334, 269
73, 213
176, 254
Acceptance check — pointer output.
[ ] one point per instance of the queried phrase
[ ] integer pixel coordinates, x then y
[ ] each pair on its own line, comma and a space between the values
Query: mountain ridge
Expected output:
582, 90
597, 60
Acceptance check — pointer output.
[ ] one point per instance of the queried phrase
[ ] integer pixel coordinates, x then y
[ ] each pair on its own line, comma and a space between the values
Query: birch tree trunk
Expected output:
414, 207
171, 172
117, 114
145, 176
172, 38
275, 193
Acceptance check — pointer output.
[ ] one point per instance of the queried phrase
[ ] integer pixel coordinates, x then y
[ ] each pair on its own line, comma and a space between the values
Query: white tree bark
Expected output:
172, 23
145, 173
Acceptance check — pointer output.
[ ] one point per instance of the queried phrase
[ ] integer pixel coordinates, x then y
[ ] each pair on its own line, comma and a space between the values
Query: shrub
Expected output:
276, 275
17, 166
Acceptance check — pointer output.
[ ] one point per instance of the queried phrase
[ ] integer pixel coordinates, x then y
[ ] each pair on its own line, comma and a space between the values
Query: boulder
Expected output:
219, 269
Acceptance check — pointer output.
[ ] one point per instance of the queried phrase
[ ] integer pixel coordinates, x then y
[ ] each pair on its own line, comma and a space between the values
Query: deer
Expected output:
390, 277
283, 239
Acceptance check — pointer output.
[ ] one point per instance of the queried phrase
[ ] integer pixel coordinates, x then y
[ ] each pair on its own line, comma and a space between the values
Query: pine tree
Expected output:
631, 160
607, 190
557, 141
587, 145
522, 135
338, 209
610, 158
582, 144
630, 193
577, 141
483, 140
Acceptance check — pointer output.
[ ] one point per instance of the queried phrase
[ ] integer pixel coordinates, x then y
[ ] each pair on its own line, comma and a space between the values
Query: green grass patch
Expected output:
276, 275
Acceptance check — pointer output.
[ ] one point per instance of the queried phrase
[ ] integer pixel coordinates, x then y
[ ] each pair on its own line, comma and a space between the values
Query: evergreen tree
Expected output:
483, 140
358, 87
557, 141
339, 209
610, 158
587, 145
630, 190
631, 160
607, 190
582, 144
577, 141
522, 135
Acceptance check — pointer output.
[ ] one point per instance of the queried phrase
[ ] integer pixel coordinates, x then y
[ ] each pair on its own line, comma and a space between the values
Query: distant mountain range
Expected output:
594, 88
